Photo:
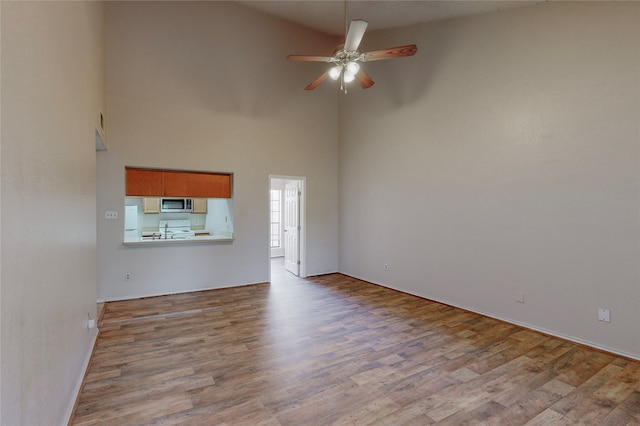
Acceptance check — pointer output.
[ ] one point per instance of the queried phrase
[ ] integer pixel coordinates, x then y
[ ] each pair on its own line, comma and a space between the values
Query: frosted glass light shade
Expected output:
352, 68
334, 72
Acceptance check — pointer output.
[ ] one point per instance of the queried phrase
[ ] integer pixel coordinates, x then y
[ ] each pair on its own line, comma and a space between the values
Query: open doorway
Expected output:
286, 226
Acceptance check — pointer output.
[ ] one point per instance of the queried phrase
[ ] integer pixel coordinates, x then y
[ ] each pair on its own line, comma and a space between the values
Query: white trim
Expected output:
143, 296
78, 386
303, 221
277, 251
509, 320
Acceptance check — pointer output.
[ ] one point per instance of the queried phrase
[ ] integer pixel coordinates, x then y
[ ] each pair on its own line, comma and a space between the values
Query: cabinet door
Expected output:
142, 182
151, 205
197, 185
200, 205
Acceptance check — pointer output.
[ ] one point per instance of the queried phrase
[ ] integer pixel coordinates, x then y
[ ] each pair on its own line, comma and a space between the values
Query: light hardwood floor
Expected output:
336, 350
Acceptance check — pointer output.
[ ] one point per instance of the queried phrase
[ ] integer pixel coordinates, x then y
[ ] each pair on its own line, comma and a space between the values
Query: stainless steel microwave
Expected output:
176, 205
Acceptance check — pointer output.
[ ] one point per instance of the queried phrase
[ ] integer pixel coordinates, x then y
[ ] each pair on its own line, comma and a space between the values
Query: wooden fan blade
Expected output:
309, 58
355, 34
364, 79
392, 52
315, 83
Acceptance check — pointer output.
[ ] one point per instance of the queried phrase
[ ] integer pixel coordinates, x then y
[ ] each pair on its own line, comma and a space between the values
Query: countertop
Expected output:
148, 240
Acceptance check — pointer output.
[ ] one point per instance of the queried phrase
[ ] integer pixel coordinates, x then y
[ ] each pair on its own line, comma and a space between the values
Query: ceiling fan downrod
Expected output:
346, 23
343, 86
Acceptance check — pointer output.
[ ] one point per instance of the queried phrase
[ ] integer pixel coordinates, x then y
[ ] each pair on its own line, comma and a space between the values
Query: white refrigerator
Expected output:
131, 223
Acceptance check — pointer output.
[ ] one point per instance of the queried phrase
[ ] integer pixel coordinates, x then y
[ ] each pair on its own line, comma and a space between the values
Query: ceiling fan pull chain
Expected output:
343, 84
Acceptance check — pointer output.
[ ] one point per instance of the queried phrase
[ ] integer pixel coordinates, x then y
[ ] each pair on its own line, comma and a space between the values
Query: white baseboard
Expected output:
78, 387
544, 331
510, 321
169, 293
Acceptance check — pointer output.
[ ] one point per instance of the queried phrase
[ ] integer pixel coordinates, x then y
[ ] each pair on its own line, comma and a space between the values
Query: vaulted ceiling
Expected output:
329, 16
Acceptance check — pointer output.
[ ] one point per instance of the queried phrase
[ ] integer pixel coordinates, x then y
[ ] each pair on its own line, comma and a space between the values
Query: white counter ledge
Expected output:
144, 241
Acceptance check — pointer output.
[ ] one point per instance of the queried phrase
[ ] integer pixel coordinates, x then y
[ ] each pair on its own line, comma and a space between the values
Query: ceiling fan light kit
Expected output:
352, 68
335, 72
346, 59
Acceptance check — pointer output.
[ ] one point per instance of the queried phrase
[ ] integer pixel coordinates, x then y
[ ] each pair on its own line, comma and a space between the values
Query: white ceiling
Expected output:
327, 16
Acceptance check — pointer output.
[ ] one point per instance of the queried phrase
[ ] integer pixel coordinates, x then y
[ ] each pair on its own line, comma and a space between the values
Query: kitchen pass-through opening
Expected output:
287, 226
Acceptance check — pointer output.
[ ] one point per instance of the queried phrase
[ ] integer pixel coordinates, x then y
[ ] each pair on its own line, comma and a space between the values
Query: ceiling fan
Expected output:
346, 58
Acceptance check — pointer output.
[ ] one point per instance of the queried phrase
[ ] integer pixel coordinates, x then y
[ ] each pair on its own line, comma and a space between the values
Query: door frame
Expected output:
302, 209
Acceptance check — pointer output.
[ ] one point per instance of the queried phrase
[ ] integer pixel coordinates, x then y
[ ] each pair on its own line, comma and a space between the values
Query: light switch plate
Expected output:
110, 215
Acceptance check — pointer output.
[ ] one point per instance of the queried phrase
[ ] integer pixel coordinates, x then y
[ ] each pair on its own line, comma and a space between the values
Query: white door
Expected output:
292, 228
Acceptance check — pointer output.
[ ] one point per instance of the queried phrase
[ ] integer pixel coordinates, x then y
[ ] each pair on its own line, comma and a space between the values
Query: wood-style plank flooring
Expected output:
336, 350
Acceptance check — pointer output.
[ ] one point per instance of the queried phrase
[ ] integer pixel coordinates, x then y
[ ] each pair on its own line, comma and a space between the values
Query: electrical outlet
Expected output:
110, 215
386, 267
127, 276
520, 297
604, 315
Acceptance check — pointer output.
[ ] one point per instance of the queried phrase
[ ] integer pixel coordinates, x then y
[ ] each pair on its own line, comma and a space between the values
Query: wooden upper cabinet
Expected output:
142, 182
200, 185
168, 183
200, 205
151, 205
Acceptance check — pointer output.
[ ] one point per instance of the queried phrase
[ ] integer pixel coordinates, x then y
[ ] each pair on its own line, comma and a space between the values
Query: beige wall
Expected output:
503, 158
206, 86
52, 92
